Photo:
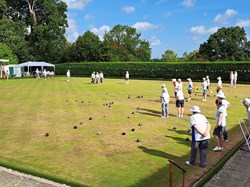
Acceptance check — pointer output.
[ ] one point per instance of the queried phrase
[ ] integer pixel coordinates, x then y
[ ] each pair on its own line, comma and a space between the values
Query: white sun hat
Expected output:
246, 101
195, 109
173, 80
219, 78
189, 79
221, 95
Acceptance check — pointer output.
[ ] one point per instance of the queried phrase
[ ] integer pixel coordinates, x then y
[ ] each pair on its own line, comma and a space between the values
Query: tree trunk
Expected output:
31, 4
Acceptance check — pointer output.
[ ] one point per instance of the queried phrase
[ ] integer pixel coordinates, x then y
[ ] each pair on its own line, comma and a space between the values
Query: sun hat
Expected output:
246, 101
163, 85
189, 79
173, 80
195, 109
221, 95
219, 78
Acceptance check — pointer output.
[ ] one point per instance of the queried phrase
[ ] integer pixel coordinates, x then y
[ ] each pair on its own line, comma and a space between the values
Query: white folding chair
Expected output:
245, 132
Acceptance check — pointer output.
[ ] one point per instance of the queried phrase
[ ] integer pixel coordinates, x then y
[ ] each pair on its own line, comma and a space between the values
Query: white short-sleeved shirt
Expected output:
190, 85
208, 82
201, 122
165, 96
226, 104
180, 95
248, 113
221, 110
68, 74
92, 75
204, 85
101, 75
219, 83
178, 84
127, 76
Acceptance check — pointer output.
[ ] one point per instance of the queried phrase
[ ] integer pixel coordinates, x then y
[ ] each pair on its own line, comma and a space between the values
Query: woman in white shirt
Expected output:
180, 102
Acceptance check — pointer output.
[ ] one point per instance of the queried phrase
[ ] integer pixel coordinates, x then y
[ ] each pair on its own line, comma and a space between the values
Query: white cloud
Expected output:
77, 4
224, 18
188, 3
161, 1
243, 23
145, 26
154, 41
72, 30
128, 9
101, 31
201, 30
166, 14
88, 17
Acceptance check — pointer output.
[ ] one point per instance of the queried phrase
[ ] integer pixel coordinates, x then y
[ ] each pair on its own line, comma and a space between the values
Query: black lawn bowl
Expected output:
89, 101
123, 133
187, 139
174, 128
214, 95
90, 118
236, 96
186, 100
76, 100
46, 134
104, 104
133, 129
109, 105
67, 101
75, 127
197, 88
194, 94
138, 108
138, 97
142, 96
139, 124
138, 140
112, 103
82, 102
133, 113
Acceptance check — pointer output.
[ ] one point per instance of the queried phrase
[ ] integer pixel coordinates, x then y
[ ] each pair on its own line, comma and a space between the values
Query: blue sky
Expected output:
178, 25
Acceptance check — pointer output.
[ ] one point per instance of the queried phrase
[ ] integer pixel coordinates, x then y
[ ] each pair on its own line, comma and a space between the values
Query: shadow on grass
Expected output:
150, 112
160, 177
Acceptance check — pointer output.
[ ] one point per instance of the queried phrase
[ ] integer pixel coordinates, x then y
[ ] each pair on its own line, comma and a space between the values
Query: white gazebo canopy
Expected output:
36, 64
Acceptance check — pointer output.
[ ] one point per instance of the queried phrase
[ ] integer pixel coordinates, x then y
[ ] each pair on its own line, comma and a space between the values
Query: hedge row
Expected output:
159, 70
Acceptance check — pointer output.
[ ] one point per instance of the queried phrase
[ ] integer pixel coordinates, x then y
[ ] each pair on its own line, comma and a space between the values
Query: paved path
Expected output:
235, 173
11, 178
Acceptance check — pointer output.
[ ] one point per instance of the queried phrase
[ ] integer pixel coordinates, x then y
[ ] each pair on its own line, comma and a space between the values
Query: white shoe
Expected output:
163, 117
188, 163
181, 116
217, 149
204, 100
178, 116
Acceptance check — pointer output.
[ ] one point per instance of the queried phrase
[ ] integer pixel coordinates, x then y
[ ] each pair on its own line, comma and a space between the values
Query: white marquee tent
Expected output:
36, 64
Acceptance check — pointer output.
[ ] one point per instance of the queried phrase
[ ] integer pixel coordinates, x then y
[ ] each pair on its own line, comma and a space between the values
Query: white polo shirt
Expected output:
201, 122
221, 110
180, 95
248, 113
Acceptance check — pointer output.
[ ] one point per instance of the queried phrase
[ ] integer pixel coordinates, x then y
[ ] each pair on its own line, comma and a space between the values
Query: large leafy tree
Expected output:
6, 53
126, 45
45, 20
170, 56
87, 47
225, 44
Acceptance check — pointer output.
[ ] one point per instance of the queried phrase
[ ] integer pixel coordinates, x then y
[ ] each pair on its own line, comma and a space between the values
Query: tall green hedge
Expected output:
159, 70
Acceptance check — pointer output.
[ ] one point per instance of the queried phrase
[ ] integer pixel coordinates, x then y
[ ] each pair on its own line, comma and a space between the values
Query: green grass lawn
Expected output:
32, 107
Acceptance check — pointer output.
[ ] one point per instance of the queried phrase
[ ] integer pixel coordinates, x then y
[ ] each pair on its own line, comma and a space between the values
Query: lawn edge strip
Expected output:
214, 170
41, 175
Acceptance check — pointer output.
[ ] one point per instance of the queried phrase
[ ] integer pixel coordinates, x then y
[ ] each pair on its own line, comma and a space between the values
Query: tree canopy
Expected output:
226, 44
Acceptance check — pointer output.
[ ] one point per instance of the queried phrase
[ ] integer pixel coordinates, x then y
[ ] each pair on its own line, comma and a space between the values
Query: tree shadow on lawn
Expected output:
160, 177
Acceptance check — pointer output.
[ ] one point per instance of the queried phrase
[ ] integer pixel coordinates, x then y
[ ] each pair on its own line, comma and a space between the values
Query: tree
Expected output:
225, 44
125, 44
6, 53
13, 34
87, 47
47, 20
170, 56
192, 56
